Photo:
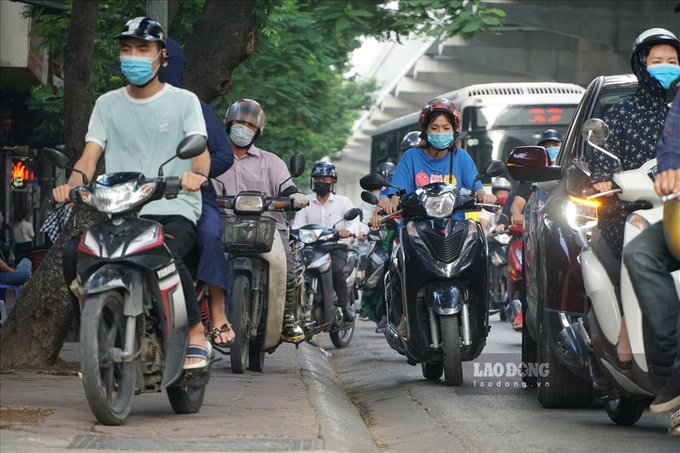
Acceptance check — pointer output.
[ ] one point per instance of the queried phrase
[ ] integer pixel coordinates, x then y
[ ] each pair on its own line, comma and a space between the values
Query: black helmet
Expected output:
325, 169
648, 39
501, 184
410, 140
549, 135
143, 28
246, 110
385, 169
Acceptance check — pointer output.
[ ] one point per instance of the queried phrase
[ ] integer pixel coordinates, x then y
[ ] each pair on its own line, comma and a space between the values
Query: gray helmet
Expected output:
410, 140
246, 110
500, 184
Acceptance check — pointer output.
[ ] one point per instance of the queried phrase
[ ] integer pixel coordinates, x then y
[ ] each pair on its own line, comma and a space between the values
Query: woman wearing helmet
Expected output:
501, 188
437, 159
650, 260
635, 126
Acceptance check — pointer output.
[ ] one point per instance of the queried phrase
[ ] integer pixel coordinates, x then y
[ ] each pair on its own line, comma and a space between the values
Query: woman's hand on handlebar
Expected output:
389, 206
192, 181
667, 182
603, 186
343, 234
517, 219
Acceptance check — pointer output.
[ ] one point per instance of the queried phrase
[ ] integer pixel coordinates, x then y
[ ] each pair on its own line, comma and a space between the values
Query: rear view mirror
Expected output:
353, 214
531, 164
372, 181
297, 165
55, 157
191, 146
595, 130
369, 197
493, 168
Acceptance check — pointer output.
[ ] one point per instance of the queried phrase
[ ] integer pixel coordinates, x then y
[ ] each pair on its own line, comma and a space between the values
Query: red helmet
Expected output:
439, 105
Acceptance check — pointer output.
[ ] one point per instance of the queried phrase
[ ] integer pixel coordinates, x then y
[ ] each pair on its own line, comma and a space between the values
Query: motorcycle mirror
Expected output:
372, 181
188, 148
369, 197
61, 160
55, 157
297, 165
595, 130
353, 214
492, 168
191, 146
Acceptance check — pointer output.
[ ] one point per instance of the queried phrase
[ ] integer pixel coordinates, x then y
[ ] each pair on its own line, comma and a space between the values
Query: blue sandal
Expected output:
196, 351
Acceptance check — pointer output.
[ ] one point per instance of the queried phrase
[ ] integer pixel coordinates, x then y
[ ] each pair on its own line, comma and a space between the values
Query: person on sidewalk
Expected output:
651, 258
328, 209
257, 169
139, 127
23, 234
212, 266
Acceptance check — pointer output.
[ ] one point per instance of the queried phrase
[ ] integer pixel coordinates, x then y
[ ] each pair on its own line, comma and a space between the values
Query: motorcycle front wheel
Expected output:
240, 316
625, 411
343, 335
453, 356
109, 382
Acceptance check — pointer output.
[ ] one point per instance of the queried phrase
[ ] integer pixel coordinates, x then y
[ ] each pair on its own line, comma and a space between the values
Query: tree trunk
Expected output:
35, 330
218, 45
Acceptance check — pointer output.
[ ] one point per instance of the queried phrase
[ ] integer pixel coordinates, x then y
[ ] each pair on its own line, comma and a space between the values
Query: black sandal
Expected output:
216, 332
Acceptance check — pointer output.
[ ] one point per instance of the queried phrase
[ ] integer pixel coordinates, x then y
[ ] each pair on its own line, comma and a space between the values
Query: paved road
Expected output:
405, 412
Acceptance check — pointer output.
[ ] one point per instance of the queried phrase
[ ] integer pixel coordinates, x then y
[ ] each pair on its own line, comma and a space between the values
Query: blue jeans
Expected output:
650, 263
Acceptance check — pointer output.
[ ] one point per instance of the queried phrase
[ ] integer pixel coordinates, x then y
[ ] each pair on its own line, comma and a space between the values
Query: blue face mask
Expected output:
137, 69
664, 73
241, 135
553, 151
440, 141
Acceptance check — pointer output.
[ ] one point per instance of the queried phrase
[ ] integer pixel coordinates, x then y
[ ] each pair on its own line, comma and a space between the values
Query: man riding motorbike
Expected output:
257, 169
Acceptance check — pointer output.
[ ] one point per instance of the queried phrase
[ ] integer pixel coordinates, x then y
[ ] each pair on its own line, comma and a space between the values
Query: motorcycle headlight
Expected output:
117, 198
309, 236
249, 203
637, 221
579, 211
439, 206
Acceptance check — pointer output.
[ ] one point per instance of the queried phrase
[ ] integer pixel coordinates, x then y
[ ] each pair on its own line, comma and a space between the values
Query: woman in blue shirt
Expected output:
437, 159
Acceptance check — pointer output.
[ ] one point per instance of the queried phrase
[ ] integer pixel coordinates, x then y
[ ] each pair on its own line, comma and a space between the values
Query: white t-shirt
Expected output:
23, 232
139, 135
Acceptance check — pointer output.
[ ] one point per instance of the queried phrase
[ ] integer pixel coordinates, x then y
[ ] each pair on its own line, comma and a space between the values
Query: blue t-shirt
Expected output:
416, 169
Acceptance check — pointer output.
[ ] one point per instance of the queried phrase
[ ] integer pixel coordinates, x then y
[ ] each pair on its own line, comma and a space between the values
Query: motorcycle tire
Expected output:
432, 371
109, 382
343, 335
186, 399
625, 411
453, 356
239, 350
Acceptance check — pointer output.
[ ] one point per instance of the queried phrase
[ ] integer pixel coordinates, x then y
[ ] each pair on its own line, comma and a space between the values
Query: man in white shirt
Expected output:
328, 209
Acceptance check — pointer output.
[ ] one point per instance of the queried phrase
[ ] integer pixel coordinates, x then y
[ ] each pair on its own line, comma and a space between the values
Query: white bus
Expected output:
495, 118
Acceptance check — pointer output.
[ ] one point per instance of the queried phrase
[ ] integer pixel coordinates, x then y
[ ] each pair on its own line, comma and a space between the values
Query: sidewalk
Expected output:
296, 404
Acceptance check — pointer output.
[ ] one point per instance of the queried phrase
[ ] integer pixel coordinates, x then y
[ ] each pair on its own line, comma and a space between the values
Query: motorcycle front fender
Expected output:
117, 277
276, 294
445, 298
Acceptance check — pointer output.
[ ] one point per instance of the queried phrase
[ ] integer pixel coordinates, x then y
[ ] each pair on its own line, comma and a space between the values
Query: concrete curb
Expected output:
340, 424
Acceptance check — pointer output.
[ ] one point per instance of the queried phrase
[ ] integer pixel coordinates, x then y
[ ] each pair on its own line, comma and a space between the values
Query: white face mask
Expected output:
241, 135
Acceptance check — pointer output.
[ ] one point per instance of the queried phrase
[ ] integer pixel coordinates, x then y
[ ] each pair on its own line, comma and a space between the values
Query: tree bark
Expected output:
37, 327
224, 37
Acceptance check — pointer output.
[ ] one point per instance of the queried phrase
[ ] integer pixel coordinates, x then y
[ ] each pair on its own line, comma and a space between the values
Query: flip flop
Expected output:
196, 351
216, 332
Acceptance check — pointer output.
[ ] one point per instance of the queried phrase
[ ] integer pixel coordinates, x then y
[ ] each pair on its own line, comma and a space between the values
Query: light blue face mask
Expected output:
440, 141
664, 73
138, 69
553, 151
241, 135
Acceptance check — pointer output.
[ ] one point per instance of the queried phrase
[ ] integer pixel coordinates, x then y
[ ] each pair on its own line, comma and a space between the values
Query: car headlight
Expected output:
117, 198
249, 203
309, 236
439, 206
579, 211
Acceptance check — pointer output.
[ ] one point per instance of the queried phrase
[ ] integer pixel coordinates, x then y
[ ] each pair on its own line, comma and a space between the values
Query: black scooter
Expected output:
437, 281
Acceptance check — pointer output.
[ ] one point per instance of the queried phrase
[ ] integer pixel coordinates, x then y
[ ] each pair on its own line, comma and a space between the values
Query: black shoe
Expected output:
669, 397
348, 313
621, 366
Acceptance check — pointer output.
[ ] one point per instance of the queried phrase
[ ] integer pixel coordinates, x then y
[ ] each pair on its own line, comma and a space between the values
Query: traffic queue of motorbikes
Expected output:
431, 283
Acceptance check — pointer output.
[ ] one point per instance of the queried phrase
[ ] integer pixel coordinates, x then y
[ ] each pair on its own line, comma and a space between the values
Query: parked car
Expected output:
555, 294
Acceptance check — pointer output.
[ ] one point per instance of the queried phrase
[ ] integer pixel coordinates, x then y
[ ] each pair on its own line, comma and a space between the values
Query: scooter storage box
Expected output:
256, 233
